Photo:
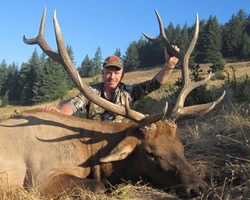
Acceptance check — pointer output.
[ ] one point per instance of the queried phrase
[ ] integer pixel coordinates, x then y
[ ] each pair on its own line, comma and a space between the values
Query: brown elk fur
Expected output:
54, 152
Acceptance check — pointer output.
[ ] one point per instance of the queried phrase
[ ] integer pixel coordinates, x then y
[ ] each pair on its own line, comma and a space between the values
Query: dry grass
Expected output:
220, 147
217, 144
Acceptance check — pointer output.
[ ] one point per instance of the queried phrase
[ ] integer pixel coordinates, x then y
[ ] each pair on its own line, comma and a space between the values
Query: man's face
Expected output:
112, 76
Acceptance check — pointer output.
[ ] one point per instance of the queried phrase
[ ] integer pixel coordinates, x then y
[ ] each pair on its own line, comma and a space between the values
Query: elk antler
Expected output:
148, 119
180, 112
164, 40
63, 58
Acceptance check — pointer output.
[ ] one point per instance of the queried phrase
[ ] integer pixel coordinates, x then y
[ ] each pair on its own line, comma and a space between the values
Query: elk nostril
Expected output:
193, 191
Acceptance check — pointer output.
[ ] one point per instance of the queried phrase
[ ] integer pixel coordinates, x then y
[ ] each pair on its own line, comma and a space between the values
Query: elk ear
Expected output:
122, 150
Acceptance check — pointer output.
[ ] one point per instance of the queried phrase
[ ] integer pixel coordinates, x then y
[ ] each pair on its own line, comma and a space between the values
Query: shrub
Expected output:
5, 100
219, 75
238, 88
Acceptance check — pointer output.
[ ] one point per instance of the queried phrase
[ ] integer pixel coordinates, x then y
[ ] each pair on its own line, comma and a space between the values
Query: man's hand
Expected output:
50, 108
65, 109
171, 61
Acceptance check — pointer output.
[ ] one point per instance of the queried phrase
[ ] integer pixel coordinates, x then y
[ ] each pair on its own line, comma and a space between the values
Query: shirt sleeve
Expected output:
138, 91
78, 103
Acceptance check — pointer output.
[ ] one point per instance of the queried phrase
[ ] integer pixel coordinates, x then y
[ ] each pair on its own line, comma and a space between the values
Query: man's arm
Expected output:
66, 109
75, 104
140, 90
163, 75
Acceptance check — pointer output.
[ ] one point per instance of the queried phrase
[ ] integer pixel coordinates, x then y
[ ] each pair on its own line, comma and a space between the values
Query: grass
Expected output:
222, 152
217, 144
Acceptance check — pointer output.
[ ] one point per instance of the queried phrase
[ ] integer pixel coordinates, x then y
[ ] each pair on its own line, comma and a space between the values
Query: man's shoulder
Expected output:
97, 86
125, 87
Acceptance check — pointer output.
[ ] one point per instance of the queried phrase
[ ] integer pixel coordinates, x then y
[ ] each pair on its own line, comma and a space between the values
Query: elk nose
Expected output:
194, 190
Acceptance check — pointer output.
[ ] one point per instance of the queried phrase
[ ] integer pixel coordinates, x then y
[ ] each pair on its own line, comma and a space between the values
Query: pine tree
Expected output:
143, 52
97, 63
131, 59
43, 85
247, 29
214, 40
149, 53
3, 77
52, 81
245, 51
170, 33
5, 100
210, 45
232, 36
201, 42
178, 35
86, 66
28, 76
12, 81
118, 53
183, 40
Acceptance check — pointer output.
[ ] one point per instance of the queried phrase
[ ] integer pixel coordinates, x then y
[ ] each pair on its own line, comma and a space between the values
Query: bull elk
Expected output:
55, 153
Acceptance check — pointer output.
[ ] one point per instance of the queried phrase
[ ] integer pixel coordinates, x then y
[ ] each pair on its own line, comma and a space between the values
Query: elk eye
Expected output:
151, 155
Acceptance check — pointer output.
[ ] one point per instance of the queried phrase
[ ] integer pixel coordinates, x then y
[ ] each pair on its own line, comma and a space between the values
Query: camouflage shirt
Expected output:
133, 91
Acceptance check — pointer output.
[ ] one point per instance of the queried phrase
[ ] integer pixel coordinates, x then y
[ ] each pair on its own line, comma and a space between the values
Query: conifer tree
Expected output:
232, 36
178, 35
184, 38
131, 59
5, 100
118, 53
52, 81
3, 77
12, 81
245, 51
201, 42
43, 86
28, 76
97, 63
170, 32
210, 45
86, 66
143, 52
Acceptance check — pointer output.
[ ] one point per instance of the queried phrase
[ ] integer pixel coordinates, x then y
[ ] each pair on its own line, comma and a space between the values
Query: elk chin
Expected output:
182, 178
192, 184
171, 180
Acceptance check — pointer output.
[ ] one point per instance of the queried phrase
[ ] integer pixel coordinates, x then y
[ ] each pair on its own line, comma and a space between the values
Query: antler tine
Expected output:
62, 50
42, 42
188, 85
162, 31
63, 58
148, 119
197, 110
180, 112
189, 51
154, 118
163, 39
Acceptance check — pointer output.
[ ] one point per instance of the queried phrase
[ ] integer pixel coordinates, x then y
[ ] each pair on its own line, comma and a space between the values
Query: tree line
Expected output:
43, 80
39, 80
229, 41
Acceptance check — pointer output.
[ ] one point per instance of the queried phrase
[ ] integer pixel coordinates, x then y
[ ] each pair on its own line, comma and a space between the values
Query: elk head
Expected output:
159, 153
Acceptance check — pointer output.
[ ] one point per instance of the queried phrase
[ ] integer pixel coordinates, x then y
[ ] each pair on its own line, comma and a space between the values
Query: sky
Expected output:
108, 24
